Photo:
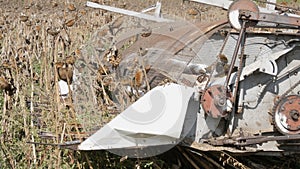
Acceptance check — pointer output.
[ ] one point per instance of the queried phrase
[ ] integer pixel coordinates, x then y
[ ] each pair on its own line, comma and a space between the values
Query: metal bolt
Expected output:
288, 126
291, 101
282, 109
222, 102
247, 14
294, 114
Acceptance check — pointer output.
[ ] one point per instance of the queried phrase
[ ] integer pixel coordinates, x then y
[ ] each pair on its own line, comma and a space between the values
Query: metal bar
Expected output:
70, 143
236, 50
280, 19
245, 141
127, 12
239, 73
271, 18
268, 138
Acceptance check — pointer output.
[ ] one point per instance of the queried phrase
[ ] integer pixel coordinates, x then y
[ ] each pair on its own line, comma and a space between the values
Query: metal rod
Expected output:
239, 71
236, 50
266, 139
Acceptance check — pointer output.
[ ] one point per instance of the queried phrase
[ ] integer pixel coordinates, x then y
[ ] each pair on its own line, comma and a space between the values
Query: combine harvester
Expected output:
236, 86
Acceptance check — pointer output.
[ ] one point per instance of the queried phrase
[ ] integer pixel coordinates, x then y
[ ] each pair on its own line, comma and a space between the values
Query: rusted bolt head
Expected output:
222, 101
294, 114
247, 14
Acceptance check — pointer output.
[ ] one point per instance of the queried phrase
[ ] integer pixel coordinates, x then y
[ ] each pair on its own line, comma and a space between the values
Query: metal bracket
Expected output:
271, 18
250, 140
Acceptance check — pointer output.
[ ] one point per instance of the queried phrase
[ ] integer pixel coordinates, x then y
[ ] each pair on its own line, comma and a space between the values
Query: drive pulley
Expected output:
235, 9
287, 115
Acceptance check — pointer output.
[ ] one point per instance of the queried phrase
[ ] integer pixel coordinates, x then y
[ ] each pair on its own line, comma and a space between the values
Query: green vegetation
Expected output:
288, 1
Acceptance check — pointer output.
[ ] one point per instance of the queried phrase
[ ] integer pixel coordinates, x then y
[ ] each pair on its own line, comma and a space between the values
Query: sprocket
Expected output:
215, 101
286, 115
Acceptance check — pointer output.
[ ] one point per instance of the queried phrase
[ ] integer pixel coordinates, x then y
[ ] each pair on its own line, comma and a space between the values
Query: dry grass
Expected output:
35, 38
